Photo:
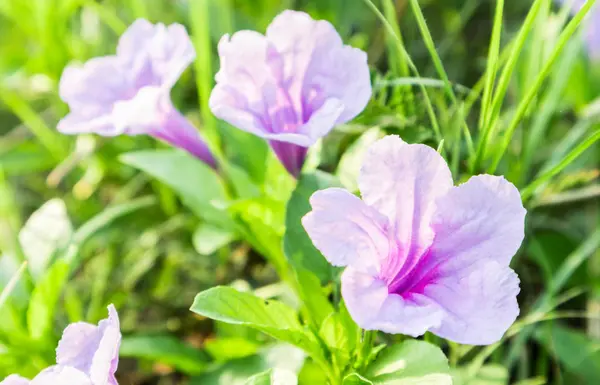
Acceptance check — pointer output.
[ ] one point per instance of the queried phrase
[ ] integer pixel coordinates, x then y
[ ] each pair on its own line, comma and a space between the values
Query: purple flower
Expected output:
86, 355
290, 86
591, 26
422, 254
129, 93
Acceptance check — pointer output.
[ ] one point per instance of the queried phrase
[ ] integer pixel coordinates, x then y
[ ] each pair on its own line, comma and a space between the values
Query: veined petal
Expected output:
292, 85
296, 35
480, 303
93, 350
483, 218
403, 181
318, 66
61, 375
347, 231
86, 121
135, 37
106, 359
78, 345
99, 82
373, 308
167, 49
322, 120
247, 85
143, 113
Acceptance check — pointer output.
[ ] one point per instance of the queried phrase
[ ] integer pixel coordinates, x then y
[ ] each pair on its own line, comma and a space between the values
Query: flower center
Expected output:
407, 273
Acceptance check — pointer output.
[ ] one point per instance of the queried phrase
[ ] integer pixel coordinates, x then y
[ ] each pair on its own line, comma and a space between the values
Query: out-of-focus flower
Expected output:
86, 355
290, 86
129, 93
421, 254
591, 26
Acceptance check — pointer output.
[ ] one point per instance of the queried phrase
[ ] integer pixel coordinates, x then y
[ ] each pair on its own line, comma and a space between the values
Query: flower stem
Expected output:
365, 349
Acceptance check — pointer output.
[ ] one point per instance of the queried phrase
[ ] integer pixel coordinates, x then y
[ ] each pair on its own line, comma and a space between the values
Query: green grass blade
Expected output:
549, 104
47, 136
139, 8
573, 137
400, 46
493, 112
544, 303
425, 82
107, 15
397, 60
430, 45
574, 154
532, 92
466, 14
11, 284
426, 34
492, 63
199, 13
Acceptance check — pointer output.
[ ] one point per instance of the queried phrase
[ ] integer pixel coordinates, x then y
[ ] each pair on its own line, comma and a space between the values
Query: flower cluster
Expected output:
290, 86
86, 355
420, 254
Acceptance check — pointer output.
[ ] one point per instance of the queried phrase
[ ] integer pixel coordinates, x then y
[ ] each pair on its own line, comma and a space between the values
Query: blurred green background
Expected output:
136, 244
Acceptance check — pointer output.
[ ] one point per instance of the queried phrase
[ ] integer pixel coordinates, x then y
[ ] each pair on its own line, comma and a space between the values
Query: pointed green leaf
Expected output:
280, 321
197, 184
164, 349
44, 300
411, 362
273, 377
47, 230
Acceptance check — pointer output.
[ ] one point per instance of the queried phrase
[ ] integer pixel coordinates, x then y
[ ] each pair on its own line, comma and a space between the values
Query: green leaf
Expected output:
27, 158
208, 239
9, 266
314, 299
251, 161
198, 185
273, 377
100, 221
411, 362
237, 372
108, 216
47, 230
356, 379
338, 338
297, 245
225, 349
166, 350
492, 374
274, 318
528, 191
312, 373
261, 223
578, 352
44, 301
12, 283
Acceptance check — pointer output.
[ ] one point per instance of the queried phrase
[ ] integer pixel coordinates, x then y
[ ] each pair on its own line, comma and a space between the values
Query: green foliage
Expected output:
166, 350
272, 317
199, 187
499, 86
298, 247
273, 377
